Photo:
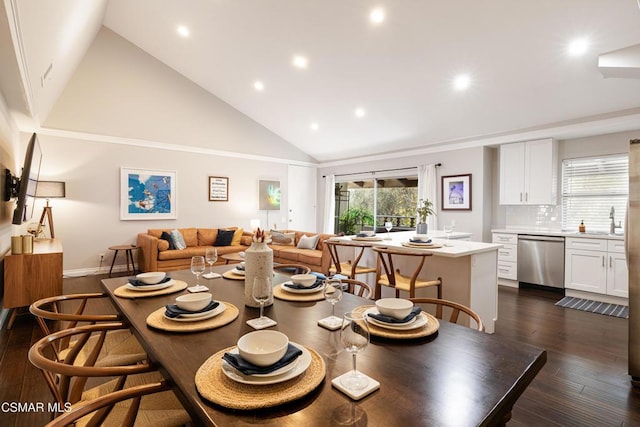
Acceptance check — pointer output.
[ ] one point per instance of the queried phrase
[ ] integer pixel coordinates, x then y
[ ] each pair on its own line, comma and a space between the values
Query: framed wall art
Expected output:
218, 189
456, 192
269, 195
147, 194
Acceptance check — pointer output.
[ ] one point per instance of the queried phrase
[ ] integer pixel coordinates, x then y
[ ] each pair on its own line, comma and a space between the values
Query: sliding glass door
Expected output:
367, 204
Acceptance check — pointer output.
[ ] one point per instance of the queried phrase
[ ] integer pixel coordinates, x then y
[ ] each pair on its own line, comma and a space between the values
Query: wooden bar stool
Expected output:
128, 254
348, 268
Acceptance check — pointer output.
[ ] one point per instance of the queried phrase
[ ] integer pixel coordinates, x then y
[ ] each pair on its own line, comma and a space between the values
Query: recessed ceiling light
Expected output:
578, 47
314, 126
258, 85
461, 81
360, 112
300, 61
183, 31
377, 15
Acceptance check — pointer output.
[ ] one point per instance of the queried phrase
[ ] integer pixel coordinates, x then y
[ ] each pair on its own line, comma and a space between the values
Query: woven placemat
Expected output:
231, 276
123, 292
280, 293
430, 328
412, 245
158, 321
213, 385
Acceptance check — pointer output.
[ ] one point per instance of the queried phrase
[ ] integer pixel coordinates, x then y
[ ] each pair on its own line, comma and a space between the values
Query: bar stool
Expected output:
128, 254
395, 279
348, 268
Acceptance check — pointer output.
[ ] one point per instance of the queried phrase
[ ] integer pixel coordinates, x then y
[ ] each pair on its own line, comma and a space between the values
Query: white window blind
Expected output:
591, 186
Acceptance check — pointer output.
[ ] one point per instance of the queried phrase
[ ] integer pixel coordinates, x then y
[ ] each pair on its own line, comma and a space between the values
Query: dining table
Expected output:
452, 375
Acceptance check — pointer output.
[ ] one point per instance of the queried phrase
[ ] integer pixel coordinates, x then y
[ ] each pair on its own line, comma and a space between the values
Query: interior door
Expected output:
302, 198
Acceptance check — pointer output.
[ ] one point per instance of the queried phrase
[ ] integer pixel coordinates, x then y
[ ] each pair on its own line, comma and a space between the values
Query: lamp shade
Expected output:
50, 189
254, 224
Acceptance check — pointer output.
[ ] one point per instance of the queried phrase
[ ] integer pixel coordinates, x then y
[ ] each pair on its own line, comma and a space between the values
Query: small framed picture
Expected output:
218, 189
456, 192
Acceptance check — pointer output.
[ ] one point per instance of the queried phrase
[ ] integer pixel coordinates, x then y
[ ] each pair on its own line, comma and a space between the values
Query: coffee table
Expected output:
232, 257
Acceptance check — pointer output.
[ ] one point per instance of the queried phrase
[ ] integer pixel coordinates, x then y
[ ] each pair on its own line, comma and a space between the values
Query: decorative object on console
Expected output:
218, 189
49, 190
258, 260
425, 208
456, 192
147, 194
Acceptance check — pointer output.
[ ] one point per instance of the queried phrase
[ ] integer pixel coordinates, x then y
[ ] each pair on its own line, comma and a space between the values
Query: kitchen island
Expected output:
468, 271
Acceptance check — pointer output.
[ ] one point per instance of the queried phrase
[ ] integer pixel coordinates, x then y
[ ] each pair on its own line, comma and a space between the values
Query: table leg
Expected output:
113, 262
133, 263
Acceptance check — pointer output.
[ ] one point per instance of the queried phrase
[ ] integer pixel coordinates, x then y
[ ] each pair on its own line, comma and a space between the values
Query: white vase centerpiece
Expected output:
258, 262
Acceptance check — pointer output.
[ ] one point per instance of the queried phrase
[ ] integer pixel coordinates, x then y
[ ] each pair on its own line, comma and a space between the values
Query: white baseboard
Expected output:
508, 283
82, 272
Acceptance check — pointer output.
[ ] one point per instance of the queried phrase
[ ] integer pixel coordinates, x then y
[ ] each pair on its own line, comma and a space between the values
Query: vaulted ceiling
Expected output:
399, 72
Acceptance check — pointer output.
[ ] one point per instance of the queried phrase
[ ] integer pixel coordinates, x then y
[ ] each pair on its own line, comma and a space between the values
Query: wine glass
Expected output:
354, 337
211, 256
261, 292
197, 267
448, 229
388, 225
333, 294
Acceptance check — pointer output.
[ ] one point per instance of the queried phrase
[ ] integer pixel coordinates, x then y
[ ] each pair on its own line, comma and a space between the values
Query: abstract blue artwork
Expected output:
147, 194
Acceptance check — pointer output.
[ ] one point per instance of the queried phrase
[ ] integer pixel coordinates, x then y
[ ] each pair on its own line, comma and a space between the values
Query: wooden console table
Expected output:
30, 277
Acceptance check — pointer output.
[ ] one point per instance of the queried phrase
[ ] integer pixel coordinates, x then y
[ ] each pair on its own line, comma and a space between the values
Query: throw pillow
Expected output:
237, 236
224, 237
163, 245
178, 240
308, 242
166, 236
279, 238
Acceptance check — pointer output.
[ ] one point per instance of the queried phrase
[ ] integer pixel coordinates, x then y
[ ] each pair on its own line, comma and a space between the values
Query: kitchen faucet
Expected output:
612, 228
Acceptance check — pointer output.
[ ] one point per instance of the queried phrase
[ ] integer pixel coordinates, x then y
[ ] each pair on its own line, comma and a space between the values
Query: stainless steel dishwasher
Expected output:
541, 260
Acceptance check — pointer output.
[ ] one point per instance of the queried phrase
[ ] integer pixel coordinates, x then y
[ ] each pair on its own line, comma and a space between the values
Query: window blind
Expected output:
591, 186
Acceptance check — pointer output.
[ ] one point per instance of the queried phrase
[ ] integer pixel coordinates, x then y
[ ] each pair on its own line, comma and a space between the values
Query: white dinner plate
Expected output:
301, 365
196, 317
301, 291
417, 322
238, 272
283, 370
147, 288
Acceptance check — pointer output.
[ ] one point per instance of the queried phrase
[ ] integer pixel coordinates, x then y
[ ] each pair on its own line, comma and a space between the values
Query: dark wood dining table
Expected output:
457, 376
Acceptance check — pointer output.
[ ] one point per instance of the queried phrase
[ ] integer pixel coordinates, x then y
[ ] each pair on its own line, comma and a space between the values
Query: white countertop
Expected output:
458, 248
560, 233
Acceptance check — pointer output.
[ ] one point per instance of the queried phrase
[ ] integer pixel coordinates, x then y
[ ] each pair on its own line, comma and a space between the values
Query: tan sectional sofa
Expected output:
154, 254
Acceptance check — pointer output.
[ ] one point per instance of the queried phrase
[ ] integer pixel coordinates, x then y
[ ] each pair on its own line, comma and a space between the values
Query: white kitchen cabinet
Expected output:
528, 173
507, 255
596, 265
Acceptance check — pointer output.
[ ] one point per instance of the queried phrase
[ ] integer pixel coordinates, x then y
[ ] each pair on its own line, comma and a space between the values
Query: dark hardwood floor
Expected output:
584, 382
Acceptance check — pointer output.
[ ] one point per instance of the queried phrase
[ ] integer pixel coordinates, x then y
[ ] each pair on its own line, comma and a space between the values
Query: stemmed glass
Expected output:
197, 268
447, 231
388, 225
333, 294
261, 292
354, 337
211, 256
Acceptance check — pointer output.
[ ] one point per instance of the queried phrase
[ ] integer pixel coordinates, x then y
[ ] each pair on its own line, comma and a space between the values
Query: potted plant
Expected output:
354, 217
425, 208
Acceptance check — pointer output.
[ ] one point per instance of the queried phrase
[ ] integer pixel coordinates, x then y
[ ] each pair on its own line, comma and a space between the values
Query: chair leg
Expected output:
439, 307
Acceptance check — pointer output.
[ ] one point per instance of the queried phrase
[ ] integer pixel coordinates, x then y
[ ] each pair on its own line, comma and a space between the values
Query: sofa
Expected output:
154, 253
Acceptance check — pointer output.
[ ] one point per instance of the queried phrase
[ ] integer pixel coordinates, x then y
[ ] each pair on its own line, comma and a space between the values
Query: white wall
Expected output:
475, 161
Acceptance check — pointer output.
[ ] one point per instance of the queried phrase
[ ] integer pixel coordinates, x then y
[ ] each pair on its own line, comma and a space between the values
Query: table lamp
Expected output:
48, 190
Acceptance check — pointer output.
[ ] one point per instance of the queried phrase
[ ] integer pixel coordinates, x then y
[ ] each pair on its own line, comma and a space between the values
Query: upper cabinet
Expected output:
528, 173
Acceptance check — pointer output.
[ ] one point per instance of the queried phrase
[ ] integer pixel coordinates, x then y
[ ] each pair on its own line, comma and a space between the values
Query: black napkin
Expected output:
317, 283
249, 368
239, 267
173, 310
136, 282
419, 241
389, 319
365, 235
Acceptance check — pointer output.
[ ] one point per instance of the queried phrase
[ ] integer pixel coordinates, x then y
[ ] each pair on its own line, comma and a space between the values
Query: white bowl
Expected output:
263, 348
194, 302
397, 308
152, 277
304, 279
421, 237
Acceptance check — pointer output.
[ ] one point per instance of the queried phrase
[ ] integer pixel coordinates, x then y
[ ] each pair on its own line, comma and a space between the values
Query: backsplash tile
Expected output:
544, 217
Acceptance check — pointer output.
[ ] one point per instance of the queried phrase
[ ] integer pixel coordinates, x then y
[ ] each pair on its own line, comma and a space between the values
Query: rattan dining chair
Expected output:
455, 308
292, 268
387, 275
358, 288
68, 311
347, 267
68, 382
